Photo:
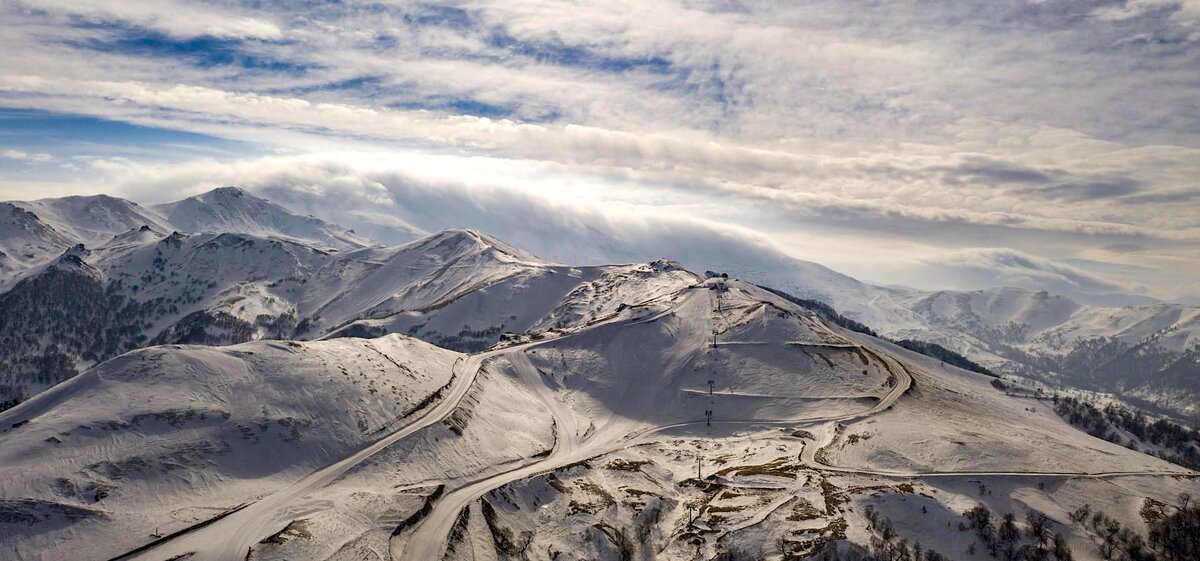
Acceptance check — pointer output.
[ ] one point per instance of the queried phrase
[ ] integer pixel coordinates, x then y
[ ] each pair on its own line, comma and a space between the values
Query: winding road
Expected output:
429, 538
230, 537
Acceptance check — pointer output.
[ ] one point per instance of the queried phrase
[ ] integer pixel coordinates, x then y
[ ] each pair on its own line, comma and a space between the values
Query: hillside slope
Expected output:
171, 435
459, 289
583, 441
1147, 354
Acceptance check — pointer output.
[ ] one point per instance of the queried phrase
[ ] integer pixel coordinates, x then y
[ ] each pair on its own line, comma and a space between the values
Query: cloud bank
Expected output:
889, 141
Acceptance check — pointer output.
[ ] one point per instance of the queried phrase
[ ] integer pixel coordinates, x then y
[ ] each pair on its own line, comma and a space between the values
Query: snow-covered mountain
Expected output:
1047, 325
26, 241
697, 417
1145, 353
168, 435
459, 289
276, 274
35, 232
230, 209
94, 219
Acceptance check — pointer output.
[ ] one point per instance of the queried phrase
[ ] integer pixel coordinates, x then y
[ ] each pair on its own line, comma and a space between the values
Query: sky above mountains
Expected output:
963, 144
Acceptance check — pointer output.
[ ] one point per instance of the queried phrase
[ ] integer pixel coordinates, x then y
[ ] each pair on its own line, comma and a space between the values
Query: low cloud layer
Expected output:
1004, 267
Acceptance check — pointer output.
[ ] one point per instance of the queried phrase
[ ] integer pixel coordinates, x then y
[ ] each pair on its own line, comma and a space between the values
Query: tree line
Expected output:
1178, 444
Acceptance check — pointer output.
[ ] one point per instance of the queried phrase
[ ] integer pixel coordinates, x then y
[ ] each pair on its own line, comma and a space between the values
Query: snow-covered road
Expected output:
428, 539
231, 537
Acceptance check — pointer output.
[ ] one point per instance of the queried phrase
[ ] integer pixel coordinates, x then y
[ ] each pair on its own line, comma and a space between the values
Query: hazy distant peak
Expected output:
232, 209
92, 219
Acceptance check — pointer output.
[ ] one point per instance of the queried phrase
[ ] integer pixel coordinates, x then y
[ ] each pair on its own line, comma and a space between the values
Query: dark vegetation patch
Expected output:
1178, 444
943, 354
295, 529
33, 511
422, 512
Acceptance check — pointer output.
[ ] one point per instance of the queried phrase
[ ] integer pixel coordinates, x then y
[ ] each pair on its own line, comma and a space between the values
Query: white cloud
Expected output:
1005, 267
33, 158
1185, 13
869, 188
893, 127
173, 18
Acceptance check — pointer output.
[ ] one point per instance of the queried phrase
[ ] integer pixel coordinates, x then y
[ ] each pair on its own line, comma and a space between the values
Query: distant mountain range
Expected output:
87, 278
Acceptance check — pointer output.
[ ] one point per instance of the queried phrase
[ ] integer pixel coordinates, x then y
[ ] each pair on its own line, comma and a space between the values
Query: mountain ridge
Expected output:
147, 288
705, 414
1044, 336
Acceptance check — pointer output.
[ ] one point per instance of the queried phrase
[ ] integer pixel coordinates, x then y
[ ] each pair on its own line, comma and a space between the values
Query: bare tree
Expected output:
1062, 551
1038, 526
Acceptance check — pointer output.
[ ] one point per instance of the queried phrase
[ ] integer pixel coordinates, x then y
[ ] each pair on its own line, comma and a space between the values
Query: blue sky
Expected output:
931, 144
69, 135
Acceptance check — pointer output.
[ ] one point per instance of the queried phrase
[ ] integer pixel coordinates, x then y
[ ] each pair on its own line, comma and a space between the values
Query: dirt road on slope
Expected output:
232, 536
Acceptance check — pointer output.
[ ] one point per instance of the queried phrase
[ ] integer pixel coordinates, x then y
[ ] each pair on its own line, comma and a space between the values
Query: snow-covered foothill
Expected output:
162, 438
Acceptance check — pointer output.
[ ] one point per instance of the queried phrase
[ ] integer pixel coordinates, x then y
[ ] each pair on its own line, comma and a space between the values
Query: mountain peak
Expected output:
143, 234
100, 199
18, 216
232, 209
466, 240
74, 259
663, 264
76, 252
227, 192
463, 235
231, 196
26, 239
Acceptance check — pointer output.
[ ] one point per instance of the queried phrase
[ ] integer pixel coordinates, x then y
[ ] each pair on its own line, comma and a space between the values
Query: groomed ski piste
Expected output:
675, 420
